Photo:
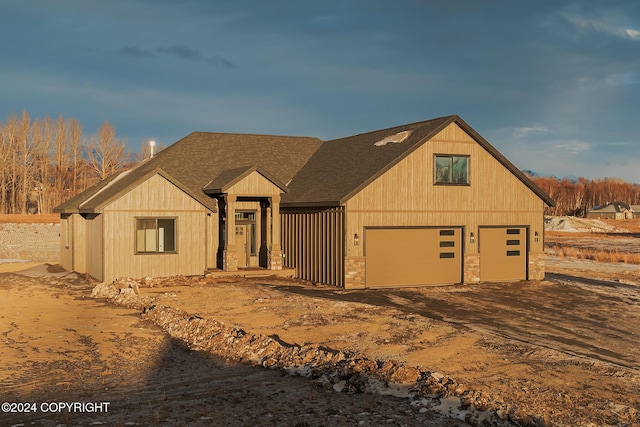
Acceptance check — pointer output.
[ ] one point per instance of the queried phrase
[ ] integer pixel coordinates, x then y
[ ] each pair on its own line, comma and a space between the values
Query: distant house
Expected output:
424, 203
614, 210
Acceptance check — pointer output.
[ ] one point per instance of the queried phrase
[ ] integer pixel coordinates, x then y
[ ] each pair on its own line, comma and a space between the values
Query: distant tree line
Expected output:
46, 161
577, 196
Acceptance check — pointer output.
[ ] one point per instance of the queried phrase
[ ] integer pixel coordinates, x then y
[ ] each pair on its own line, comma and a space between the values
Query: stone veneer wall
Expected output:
536, 266
274, 260
471, 273
354, 272
229, 260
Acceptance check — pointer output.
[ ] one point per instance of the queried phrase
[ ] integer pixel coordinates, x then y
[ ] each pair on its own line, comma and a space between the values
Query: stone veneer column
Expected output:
471, 272
230, 253
536, 266
274, 255
354, 272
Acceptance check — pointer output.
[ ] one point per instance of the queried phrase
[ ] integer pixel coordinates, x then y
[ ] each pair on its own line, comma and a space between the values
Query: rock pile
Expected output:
341, 371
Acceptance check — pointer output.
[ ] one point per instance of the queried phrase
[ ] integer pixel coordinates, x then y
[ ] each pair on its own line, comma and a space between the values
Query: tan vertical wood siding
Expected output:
406, 194
154, 198
212, 231
94, 246
79, 248
254, 184
66, 254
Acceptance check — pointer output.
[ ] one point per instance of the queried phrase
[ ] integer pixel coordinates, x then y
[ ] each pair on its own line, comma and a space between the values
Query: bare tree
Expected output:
75, 141
61, 158
105, 152
5, 149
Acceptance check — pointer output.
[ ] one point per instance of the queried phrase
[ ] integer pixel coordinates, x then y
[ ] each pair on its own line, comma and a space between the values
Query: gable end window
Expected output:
451, 170
155, 235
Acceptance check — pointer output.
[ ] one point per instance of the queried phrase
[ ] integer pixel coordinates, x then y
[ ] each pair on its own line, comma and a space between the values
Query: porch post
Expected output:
230, 253
274, 260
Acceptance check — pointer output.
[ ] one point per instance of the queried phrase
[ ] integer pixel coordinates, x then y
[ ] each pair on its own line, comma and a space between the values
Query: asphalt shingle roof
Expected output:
194, 161
314, 172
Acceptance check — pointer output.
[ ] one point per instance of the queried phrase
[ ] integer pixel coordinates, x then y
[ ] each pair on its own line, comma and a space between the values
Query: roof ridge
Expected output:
251, 134
423, 122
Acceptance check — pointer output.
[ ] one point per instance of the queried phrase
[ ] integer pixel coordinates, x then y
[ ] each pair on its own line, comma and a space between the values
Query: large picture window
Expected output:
453, 170
155, 235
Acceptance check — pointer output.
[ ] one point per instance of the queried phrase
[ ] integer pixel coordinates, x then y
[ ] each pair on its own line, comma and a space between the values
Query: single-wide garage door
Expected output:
412, 256
503, 253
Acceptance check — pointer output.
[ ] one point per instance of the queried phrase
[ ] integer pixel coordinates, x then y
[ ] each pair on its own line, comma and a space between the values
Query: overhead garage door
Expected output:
412, 256
503, 253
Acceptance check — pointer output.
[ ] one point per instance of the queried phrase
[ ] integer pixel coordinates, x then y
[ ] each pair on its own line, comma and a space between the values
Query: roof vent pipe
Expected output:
152, 144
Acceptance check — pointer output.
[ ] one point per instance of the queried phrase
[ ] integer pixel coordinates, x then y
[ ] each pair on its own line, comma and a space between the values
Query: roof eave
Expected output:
316, 204
505, 162
255, 168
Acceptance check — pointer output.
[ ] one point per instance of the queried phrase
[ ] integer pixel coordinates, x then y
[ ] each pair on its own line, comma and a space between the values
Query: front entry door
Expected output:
241, 244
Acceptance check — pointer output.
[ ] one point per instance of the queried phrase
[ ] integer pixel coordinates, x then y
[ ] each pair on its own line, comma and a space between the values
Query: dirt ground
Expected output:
562, 351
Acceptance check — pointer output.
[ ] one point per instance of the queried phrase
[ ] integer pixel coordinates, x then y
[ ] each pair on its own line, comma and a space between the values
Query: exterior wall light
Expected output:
356, 239
536, 236
472, 238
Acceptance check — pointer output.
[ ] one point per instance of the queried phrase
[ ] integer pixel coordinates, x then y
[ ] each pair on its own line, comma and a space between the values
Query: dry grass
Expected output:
633, 225
30, 219
594, 255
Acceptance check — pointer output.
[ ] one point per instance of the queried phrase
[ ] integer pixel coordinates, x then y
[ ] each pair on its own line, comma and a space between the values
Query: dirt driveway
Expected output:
562, 348
594, 319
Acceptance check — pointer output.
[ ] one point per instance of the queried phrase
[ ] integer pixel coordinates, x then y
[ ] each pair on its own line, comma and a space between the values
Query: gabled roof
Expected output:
198, 158
228, 178
313, 172
612, 207
342, 167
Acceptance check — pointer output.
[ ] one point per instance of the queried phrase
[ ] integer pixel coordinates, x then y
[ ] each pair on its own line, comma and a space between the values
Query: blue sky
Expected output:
554, 85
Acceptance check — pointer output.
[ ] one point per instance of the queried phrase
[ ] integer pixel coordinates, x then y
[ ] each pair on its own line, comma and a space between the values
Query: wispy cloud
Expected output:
603, 24
632, 34
177, 51
523, 132
569, 146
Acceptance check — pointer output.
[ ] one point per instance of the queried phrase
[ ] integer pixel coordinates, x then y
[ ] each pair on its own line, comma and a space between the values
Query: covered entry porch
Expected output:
248, 219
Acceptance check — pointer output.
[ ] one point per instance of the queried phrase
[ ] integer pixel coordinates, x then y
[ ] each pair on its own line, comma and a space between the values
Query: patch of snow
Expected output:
303, 371
574, 224
396, 138
339, 386
397, 390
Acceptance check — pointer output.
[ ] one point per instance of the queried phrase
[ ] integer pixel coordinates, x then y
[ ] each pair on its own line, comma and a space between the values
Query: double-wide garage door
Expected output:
432, 256
412, 256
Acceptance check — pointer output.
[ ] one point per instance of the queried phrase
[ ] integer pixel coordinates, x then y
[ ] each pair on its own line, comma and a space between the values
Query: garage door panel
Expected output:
503, 254
412, 256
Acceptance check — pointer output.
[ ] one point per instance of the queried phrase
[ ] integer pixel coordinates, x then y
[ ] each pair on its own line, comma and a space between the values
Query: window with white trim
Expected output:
155, 235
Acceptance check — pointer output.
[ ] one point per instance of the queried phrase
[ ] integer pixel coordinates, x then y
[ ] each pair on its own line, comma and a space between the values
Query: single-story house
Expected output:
614, 210
424, 203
